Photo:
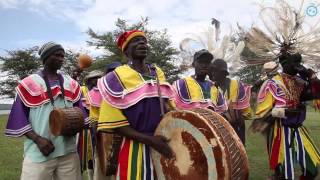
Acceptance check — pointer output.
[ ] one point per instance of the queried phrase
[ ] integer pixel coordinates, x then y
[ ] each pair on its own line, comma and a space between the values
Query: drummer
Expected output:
197, 91
133, 107
95, 99
237, 95
45, 156
86, 138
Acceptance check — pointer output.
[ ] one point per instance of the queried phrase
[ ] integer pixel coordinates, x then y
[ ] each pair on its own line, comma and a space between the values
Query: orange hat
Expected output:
125, 37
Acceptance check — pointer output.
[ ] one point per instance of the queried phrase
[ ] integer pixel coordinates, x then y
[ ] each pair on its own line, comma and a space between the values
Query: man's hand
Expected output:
45, 146
304, 72
160, 144
294, 112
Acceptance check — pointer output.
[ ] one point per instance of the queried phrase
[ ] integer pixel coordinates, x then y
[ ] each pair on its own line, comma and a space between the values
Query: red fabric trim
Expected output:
274, 156
31, 101
123, 160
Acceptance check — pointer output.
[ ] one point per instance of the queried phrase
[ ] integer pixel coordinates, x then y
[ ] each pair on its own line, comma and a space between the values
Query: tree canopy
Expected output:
161, 51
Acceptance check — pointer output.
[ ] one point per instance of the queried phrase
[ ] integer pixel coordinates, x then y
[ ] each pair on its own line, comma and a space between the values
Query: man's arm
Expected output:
312, 88
159, 143
19, 125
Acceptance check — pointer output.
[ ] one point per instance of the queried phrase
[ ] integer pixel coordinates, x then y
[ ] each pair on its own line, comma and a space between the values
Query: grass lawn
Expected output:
11, 150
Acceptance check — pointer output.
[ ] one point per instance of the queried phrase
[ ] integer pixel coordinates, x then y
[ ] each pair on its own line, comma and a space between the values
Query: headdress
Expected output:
285, 33
225, 49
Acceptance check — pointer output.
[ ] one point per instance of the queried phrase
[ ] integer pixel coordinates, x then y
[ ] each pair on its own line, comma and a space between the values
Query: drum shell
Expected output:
108, 148
66, 121
218, 138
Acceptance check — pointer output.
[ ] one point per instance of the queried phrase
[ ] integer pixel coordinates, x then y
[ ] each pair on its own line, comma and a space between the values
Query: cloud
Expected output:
178, 16
100, 14
8, 4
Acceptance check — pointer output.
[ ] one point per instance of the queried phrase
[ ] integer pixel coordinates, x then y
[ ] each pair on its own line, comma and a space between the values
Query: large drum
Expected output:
205, 147
108, 147
66, 121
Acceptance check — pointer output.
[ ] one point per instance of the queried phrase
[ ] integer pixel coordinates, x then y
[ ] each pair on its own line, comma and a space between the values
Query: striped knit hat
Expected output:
49, 48
125, 38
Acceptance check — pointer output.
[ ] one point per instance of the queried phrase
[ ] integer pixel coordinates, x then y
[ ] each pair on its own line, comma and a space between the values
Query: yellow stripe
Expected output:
309, 148
130, 78
194, 89
114, 123
282, 145
234, 88
214, 94
139, 162
103, 126
130, 160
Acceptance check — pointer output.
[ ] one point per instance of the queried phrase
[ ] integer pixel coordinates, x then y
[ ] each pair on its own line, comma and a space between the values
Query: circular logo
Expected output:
312, 10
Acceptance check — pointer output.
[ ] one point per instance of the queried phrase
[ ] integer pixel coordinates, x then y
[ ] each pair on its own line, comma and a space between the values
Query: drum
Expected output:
108, 147
205, 147
66, 121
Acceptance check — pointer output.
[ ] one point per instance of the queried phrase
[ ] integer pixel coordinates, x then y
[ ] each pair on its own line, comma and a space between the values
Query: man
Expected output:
45, 156
95, 99
237, 95
197, 92
133, 105
86, 139
281, 100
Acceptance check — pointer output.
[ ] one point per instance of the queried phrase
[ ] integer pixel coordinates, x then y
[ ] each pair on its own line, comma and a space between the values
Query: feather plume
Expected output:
209, 39
284, 31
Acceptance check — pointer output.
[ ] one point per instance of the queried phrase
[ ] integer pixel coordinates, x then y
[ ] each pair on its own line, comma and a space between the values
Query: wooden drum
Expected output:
66, 121
108, 148
205, 147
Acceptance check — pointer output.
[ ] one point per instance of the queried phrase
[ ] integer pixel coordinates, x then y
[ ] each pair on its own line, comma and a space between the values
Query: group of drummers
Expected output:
124, 105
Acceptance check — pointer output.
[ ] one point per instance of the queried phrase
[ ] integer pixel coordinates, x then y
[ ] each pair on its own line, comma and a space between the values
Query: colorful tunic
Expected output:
238, 100
85, 138
95, 99
84, 99
131, 99
193, 94
288, 140
31, 110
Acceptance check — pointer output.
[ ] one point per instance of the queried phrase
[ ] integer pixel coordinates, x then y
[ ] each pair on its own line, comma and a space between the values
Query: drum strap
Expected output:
159, 91
46, 80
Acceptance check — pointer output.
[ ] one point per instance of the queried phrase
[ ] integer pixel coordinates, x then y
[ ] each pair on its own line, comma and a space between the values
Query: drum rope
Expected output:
46, 80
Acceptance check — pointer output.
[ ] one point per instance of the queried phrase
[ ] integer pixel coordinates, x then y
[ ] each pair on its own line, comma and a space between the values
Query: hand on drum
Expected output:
160, 144
45, 146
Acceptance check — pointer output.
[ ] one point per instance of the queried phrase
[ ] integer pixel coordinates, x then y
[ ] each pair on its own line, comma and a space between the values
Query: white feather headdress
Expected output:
208, 39
284, 31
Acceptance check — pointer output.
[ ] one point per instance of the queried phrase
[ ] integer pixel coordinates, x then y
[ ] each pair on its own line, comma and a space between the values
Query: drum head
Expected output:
205, 147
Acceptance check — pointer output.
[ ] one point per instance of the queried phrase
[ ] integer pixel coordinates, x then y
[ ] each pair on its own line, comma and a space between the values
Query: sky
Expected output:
27, 23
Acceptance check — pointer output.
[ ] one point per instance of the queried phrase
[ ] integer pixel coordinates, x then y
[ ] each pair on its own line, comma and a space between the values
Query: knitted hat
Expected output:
48, 49
125, 38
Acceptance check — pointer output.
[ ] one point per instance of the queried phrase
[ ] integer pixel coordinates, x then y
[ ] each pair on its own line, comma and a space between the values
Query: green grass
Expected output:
11, 150
257, 150
11, 154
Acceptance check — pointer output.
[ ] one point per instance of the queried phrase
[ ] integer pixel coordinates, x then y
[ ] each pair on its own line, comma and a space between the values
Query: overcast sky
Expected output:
26, 23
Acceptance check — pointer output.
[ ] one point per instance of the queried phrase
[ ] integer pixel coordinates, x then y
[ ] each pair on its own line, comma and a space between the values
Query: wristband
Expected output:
278, 112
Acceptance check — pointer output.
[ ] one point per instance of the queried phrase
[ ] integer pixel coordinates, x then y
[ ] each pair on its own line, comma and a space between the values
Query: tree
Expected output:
161, 51
18, 64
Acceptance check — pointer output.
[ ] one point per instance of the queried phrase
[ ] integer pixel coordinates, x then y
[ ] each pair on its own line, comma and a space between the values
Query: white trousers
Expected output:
65, 167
